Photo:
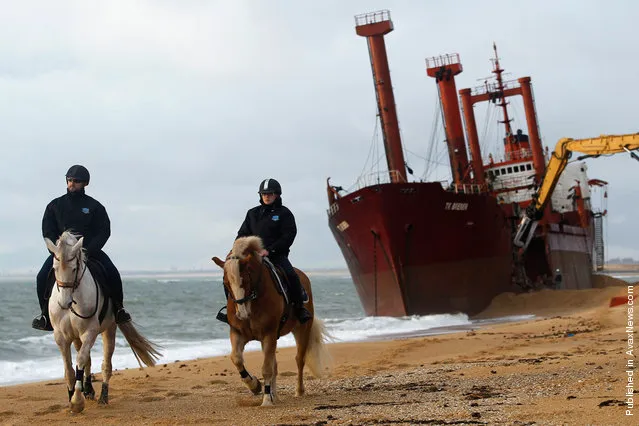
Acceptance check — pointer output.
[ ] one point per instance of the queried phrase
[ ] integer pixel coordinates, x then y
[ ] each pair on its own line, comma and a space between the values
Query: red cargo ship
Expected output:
418, 248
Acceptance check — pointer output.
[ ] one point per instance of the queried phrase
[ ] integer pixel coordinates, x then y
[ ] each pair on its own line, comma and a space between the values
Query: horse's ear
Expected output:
219, 262
77, 246
52, 247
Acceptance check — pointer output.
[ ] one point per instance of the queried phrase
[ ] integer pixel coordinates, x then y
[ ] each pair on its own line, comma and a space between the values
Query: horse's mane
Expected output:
243, 246
69, 239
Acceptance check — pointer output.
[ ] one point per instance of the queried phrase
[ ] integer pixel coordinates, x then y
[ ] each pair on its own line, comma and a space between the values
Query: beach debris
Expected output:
617, 301
481, 392
611, 402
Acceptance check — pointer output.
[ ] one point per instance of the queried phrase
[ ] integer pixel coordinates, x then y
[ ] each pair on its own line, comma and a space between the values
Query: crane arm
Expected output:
593, 147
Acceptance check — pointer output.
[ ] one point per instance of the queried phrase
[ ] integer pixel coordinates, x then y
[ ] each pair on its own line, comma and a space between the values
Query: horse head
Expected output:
68, 264
242, 272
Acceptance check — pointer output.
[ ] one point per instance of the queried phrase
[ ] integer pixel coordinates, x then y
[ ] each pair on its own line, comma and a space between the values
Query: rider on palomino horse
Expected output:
88, 218
275, 225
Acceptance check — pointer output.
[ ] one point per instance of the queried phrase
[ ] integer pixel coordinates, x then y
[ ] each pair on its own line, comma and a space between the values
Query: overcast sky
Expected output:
180, 108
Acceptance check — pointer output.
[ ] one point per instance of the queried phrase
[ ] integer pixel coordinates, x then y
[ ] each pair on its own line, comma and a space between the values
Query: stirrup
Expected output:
221, 316
42, 323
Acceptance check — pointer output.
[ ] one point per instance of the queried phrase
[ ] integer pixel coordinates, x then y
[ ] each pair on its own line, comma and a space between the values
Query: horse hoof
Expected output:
268, 401
77, 402
258, 388
77, 408
104, 395
90, 395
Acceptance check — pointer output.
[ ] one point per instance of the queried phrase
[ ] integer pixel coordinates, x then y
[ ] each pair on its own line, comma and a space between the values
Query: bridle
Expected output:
254, 294
73, 285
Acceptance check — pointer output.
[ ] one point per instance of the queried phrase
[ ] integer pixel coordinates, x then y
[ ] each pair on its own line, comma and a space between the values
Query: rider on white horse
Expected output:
88, 218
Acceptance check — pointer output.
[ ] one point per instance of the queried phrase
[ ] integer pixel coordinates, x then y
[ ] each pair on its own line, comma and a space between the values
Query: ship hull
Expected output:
416, 249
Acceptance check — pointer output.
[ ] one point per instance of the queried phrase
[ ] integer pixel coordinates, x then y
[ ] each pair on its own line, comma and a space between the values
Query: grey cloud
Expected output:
179, 109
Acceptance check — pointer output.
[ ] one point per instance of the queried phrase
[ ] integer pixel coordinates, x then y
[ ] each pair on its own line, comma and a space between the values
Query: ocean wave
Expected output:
44, 361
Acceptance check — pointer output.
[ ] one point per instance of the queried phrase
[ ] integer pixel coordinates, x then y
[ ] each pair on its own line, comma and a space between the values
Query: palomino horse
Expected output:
256, 311
74, 306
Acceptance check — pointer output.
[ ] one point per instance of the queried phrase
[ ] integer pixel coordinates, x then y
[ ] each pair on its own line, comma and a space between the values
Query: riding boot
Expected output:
221, 316
114, 284
117, 297
43, 322
297, 299
121, 316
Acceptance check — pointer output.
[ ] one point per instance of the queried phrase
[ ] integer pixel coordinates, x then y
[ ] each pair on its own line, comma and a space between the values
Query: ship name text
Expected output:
456, 206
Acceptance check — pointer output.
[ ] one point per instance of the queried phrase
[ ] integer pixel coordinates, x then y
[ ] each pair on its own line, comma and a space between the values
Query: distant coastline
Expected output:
200, 273
621, 268
616, 268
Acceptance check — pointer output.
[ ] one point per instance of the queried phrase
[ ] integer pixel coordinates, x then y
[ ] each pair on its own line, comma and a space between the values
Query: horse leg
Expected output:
65, 350
87, 387
302, 335
269, 368
77, 400
108, 345
237, 357
273, 382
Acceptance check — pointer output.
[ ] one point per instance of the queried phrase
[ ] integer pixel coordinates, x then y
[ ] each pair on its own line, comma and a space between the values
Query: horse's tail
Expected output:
318, 358
144, 350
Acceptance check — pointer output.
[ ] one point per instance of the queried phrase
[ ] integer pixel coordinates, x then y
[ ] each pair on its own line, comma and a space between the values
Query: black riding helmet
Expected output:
270, 186
79, 172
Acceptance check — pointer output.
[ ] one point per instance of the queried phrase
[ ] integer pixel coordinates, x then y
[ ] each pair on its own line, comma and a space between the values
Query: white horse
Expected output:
74, 307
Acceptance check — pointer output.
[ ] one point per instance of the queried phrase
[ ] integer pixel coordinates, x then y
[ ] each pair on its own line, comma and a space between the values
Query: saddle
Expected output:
281, 281
99, 274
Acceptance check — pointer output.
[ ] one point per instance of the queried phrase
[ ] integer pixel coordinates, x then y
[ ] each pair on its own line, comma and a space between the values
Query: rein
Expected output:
74, 285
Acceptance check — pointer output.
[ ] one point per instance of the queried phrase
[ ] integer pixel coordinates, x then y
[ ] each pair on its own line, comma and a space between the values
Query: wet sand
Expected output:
566, 365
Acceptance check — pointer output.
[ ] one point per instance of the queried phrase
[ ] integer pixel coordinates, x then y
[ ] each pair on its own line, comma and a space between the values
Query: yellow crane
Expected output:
593, 147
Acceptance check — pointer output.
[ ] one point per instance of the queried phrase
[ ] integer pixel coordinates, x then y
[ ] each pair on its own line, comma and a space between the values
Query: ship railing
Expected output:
378, 178
468, 188
443, 60
518, 154
372, 17
493, 86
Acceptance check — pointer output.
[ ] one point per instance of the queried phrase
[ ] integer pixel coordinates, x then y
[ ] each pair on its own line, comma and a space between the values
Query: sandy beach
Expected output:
568, 365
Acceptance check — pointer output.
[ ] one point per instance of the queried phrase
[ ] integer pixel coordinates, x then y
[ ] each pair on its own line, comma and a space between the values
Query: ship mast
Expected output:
509, 139
516, 147
374, 26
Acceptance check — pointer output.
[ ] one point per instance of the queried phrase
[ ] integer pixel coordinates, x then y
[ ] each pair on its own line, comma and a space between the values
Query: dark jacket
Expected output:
82, 215
274, 223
